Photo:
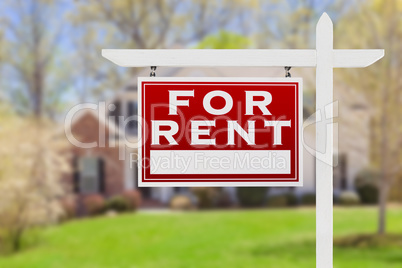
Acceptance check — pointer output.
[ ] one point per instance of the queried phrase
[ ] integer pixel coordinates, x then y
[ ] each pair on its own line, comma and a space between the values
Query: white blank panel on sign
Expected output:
220, 162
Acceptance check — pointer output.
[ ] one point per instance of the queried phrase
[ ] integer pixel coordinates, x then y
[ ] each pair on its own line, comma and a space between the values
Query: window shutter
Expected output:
343, 171
132, 111
101, 174
76, 175
117, 112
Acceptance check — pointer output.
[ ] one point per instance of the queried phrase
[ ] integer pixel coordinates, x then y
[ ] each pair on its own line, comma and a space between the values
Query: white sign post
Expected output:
324, 58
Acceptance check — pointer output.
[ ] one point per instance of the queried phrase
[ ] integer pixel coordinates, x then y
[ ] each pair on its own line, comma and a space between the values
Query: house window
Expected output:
340, 173
90, 175
132, 111
131, 88
343, 171
131, 181
116, 112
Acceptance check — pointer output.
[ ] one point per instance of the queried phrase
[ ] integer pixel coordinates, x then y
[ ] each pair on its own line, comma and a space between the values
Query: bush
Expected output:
278, 201
133, 198
283, 200
31, 182
368, 194
251, 196
292, 199
366, 184
308, 199
118, 203
369, 241
181, 202
94, 204
224, 200
69, 206
207, 197
349, 198
211, 197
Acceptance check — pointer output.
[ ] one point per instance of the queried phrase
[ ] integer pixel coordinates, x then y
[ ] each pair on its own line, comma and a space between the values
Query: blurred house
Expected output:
99, 170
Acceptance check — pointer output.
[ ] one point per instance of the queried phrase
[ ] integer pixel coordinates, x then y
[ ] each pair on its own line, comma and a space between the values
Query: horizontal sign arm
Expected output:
238, 57
356, 58
211, 57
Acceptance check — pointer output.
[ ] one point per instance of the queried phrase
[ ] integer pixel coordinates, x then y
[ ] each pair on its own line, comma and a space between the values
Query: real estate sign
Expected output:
220, 131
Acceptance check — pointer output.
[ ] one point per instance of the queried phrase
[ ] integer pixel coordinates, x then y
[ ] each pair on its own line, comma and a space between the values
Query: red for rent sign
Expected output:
220, 131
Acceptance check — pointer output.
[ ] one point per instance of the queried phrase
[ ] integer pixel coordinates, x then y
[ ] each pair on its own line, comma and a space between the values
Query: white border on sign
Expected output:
231, 183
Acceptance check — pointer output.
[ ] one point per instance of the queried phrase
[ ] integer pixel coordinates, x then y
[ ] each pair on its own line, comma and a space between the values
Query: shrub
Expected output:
118, 203
181, 202
349, 198
94, 204
133, 198
369, 241
292, 199
368, 194
69, 206
207, 197
282, 200
308, 199
277, 201
251, 196
366, 184
224, 200
32, 165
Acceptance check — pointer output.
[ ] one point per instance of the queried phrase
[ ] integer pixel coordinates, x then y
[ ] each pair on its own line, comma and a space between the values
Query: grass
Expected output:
259, 238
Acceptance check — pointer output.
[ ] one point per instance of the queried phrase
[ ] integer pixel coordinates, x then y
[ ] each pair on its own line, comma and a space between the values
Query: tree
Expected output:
157, 23
31, 167
291, 24
225, 40
30, 46
138, 24
377, 23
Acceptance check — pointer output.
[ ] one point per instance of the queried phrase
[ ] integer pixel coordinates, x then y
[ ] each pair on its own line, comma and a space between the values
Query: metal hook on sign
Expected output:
287, 71
153, 69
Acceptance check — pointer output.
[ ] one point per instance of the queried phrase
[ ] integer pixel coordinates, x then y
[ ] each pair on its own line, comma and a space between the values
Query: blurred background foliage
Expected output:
50, 50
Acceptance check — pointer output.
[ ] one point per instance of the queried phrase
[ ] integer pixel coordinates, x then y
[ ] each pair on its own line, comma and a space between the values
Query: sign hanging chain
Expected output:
153, 69
287, 71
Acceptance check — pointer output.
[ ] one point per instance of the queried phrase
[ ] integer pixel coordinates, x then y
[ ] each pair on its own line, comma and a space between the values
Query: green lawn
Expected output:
260, 238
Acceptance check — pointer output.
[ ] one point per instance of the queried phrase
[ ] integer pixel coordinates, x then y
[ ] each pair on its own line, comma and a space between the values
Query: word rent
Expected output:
203, 127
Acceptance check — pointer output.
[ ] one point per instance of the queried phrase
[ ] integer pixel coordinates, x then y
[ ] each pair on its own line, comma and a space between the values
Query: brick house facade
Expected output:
110, 170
